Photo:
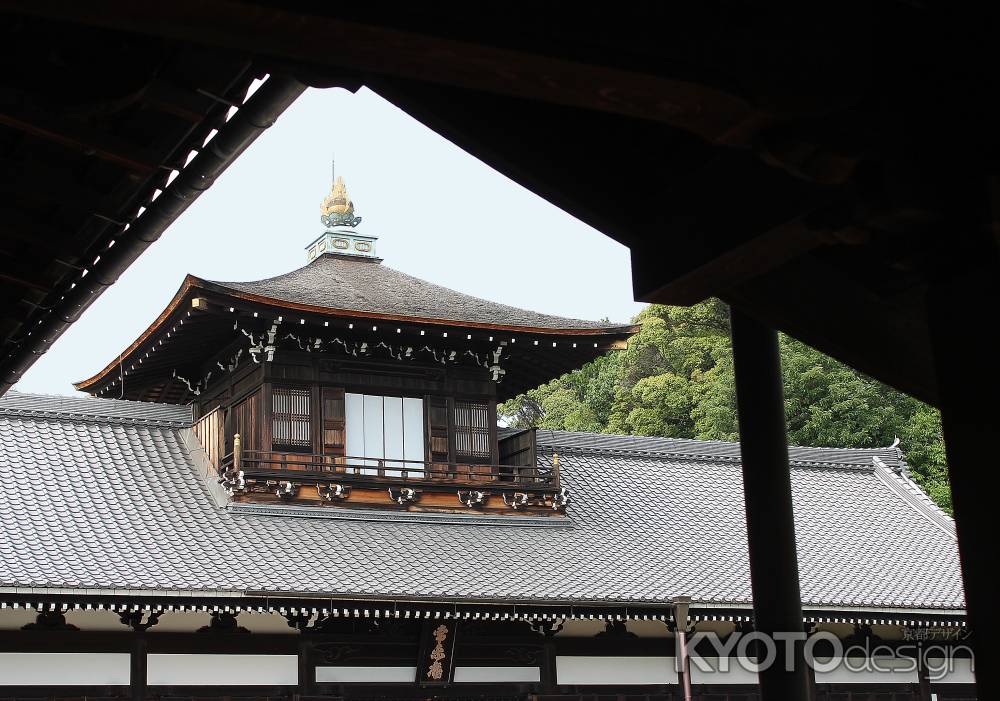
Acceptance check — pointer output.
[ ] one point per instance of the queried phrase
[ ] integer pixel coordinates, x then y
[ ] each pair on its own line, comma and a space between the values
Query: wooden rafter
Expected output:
80, 138
366, 48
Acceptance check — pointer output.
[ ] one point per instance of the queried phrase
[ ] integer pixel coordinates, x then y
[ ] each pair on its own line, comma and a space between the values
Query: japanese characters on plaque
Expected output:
437, 647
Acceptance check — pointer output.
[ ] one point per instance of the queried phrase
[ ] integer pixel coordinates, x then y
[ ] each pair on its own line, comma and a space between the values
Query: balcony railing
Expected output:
391, 471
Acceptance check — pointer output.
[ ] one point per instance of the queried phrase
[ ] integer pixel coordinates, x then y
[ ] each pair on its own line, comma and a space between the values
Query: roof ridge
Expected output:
714, 449
716, 457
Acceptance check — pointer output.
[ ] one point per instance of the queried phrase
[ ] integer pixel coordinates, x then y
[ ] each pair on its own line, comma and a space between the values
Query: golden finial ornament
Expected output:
337, 208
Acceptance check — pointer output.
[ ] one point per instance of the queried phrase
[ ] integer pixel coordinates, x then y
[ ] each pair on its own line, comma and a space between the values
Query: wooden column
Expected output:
137, 666
682, 621
307, 672
923, 677
969, 389
547, 673
774, 571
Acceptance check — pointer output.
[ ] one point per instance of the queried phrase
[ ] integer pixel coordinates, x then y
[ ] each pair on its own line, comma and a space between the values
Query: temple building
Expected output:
298, 486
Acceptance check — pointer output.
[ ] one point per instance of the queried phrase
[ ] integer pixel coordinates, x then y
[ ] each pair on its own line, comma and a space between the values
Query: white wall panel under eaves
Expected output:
861, 670
385, 675
497, 674
725, 670
952, 670
615, 670
219, 670
64, 669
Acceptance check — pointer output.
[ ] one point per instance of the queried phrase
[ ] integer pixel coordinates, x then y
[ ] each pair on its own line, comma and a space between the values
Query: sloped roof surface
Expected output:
95, 501
361, 284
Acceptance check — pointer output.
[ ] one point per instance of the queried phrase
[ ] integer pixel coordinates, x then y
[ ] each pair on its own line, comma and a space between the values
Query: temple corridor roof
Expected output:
104, 495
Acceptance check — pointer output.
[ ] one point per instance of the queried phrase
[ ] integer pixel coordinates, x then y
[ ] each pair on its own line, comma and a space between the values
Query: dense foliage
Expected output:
676, 380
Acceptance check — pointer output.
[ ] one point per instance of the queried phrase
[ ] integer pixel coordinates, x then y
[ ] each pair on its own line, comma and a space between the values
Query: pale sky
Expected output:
439, 213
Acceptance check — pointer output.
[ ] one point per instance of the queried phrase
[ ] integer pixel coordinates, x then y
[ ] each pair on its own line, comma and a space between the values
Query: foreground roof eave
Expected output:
626, 329
195, 283
389, 598
276, 599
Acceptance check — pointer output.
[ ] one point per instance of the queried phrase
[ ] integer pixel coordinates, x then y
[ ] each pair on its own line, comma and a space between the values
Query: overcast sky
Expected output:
439, 213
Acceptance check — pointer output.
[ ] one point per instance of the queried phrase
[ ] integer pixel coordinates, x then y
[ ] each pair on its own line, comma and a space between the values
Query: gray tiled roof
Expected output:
365, 285
94, 408
94, 501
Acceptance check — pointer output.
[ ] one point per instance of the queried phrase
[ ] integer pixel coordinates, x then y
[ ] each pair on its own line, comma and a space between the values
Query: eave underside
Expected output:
458, 609
189, 341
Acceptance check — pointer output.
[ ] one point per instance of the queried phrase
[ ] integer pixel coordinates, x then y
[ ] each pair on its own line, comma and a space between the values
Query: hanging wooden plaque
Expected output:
436, 666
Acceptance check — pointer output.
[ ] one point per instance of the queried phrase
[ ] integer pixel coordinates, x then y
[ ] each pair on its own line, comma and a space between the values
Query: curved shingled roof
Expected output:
358, 284
99, 502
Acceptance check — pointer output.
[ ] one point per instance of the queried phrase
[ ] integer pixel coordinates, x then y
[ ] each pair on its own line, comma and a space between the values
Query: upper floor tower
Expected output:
347, 382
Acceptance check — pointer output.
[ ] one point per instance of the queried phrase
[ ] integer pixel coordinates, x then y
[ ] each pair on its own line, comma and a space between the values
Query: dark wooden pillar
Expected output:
137, 666
307, 672
547, 674
923, 677
774, 571
969, 389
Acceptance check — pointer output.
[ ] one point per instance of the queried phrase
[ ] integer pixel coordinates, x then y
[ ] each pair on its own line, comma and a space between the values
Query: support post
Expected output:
774, 571
923, 677
137, 666
237, 453
547, 676
307, 672
970, 416
681, 607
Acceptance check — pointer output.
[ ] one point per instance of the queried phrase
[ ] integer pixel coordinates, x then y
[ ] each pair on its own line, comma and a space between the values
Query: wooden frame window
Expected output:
472, 431
291, 419
385, 431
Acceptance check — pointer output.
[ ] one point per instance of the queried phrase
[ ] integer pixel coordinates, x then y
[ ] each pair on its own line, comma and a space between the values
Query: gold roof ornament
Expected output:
337, 208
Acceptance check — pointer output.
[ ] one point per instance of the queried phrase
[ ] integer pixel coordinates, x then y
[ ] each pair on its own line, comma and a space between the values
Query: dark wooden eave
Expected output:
812, 169
187, 340
94, 125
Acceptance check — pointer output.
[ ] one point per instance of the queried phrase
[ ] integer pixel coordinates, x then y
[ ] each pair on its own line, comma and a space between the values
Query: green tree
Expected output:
675, 379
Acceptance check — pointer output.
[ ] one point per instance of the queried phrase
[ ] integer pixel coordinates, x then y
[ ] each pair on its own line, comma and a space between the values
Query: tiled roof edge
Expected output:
373, 516
912, 494
93, 418
17, 409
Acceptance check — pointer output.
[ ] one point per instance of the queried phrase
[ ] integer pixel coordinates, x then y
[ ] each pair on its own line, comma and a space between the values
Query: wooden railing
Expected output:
388, 470
210, 431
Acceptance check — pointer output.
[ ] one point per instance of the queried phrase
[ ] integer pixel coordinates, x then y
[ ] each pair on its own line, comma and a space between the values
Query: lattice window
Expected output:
472, 430
291, 419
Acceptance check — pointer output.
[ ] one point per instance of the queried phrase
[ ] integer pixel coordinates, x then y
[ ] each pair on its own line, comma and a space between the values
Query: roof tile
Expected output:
92, 501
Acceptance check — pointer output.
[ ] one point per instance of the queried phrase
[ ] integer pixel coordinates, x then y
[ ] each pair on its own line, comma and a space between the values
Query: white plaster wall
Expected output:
366, 674
648, 629
712, 670
856, 670
615, 670
13, 619
235, 670
497, 674
64, 668
954, 671
583, 628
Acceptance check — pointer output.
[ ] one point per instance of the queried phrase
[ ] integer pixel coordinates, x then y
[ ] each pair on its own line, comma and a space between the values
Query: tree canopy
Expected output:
676, 380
